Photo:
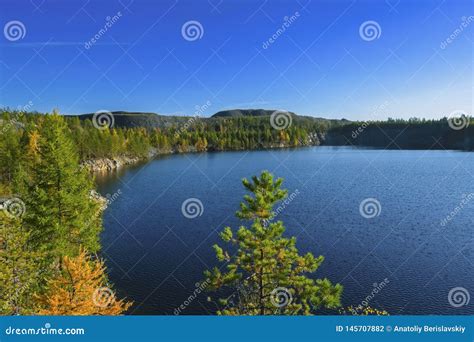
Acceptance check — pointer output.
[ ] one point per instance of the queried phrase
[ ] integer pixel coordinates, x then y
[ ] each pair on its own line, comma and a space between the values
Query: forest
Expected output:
192, 135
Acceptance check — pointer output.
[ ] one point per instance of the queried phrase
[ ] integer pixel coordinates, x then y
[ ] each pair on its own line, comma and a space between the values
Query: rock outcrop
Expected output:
108, 164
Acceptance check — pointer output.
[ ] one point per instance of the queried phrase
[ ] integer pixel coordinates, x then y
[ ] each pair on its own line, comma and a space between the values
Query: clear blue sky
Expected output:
319, 65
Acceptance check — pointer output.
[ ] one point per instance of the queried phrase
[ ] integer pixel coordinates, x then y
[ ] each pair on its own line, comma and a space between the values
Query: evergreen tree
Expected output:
10, 150
267, 273
18, 268
81, 289
61, 215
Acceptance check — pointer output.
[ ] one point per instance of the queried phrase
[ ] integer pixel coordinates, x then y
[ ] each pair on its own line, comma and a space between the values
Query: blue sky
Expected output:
320, 64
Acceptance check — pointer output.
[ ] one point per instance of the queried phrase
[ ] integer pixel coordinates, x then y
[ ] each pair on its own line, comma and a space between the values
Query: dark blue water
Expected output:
156, 255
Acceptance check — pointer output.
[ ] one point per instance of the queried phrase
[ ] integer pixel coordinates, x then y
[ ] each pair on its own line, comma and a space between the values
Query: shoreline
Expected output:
110, 164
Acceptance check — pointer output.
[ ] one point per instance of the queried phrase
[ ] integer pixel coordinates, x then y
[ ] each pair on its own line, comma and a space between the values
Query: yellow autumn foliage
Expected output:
81, 289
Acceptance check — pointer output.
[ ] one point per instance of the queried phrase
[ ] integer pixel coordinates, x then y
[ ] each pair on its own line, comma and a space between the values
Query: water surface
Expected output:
156, 255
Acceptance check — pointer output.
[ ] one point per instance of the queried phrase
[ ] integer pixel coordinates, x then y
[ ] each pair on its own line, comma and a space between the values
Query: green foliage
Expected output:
266, 192
10, 150
362, 311
39, 165
190, 135
61, 216
267, 275
19, 270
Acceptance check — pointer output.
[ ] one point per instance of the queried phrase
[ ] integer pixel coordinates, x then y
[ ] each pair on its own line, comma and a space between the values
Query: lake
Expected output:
417, 241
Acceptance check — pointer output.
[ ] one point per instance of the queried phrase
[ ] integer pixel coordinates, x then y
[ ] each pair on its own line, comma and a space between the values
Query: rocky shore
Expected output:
99, 165
108, 164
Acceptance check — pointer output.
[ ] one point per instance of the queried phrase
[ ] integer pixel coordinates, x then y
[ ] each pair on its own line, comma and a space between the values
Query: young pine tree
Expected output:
80, 289
60, 215
267, 274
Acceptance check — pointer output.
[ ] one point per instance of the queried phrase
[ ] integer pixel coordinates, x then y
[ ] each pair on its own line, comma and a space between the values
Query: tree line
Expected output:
242, 133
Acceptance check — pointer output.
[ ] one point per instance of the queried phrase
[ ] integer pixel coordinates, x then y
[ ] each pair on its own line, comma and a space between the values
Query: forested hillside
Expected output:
455, 134
141, 135
177, 134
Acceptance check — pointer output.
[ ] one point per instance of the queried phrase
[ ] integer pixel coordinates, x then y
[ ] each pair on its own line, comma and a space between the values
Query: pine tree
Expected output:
19, 270
10, 151
81, 289
61, 214
267, 274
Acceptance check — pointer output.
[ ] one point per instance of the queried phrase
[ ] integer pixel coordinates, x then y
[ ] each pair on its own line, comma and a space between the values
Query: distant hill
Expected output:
153, 120
141, 119
245, 112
